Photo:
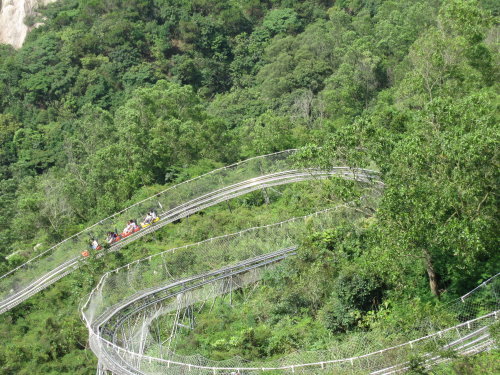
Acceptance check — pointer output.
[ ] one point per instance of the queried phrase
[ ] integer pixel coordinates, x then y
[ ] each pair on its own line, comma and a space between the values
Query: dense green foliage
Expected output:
109, 101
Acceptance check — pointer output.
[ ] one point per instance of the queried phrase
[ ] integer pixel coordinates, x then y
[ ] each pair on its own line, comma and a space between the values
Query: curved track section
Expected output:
168, 297
123, 308
127, 301
172, 204
121, 354
120, 334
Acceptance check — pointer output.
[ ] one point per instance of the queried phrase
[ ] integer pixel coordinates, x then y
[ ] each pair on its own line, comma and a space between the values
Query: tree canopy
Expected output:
110, 101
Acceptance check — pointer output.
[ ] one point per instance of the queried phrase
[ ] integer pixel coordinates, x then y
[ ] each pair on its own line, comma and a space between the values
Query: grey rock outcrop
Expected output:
13, 13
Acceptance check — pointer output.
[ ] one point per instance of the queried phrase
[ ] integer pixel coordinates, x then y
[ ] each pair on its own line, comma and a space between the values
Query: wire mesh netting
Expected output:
171, 204
122, 284
124, 312
466, 330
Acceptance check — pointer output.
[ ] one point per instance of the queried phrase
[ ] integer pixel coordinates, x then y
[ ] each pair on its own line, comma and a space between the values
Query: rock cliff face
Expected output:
12, 15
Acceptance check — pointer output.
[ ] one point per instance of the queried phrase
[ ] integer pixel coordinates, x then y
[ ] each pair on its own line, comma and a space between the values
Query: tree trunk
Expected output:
266, 196
429, 267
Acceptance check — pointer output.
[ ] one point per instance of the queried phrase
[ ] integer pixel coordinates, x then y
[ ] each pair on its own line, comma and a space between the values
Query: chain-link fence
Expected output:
123, 309
463, 330
171, 204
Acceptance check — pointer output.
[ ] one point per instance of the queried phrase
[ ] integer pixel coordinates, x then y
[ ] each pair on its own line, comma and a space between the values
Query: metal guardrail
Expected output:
114, 318
121, 360
118, 358
188, 208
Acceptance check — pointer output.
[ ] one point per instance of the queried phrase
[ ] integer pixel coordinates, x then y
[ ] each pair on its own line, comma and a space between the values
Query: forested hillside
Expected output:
110, 101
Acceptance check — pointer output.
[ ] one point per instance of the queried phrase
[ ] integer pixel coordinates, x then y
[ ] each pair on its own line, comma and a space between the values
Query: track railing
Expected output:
171, 204
144, 289
118, 360
465, 338
127, 300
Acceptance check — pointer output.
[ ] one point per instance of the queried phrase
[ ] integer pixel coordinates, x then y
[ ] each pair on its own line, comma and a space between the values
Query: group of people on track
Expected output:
132, 227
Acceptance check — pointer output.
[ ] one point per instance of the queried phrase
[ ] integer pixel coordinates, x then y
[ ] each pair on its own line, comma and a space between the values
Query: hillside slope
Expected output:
111, 101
